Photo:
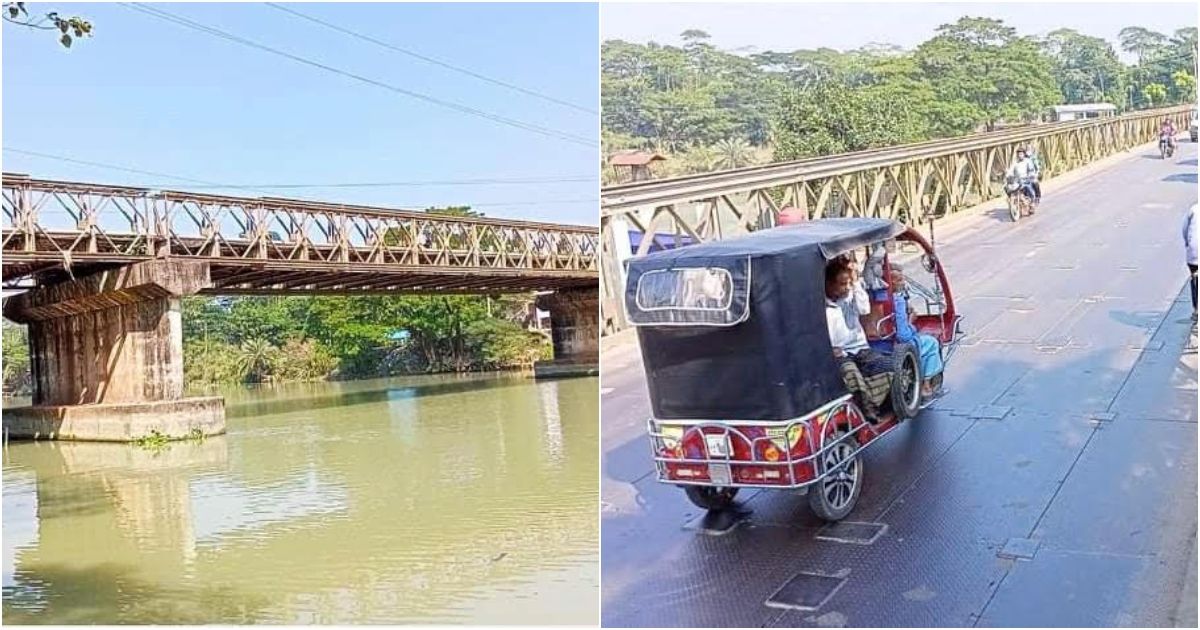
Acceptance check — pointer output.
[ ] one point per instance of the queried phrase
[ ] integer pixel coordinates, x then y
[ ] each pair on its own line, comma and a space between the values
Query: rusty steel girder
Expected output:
52, 230
909, 183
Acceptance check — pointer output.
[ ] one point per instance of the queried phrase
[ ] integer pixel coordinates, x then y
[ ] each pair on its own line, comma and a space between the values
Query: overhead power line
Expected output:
197, 26
436, 62
114, 167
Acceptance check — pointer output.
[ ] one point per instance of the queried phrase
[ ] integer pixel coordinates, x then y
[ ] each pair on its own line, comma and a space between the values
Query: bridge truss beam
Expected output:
911, 183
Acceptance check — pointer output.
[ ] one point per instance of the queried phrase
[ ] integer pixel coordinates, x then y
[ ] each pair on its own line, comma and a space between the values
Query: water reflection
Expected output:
392, 501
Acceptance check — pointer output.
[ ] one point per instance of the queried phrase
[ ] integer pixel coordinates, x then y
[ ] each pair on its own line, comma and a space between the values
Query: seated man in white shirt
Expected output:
866, 372
856, 303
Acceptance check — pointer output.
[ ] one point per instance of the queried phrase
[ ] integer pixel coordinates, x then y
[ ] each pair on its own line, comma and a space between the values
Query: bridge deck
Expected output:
1071, 420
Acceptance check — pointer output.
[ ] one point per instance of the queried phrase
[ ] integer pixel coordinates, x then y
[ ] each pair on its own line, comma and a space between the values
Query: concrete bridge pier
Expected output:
106, 352
575, 330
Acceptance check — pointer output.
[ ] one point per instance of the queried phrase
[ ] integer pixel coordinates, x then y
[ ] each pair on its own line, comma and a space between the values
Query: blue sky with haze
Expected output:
150, 95
751, 27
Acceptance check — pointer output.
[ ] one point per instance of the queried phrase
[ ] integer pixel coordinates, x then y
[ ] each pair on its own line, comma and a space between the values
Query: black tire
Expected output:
1014, 207
834, 497
710, 498
906, 381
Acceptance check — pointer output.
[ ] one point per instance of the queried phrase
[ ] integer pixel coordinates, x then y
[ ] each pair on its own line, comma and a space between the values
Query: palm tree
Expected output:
733, 153
254, 359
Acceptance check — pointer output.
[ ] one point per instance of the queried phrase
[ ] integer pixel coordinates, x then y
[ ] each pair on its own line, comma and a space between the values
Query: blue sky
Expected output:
146, 94
847, 25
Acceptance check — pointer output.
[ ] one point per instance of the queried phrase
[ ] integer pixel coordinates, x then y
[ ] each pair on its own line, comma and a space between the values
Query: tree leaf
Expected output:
13, 12
66, 40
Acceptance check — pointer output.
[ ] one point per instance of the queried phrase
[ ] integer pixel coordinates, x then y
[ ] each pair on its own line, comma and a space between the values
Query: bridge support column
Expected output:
575, 329
106, 352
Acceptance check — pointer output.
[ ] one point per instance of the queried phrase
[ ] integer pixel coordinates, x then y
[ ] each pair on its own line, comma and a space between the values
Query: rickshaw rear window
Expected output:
704, 294
696, 288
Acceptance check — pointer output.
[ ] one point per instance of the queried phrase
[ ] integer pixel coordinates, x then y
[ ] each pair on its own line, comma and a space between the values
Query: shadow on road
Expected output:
1187, 178
1146, 320
999, 214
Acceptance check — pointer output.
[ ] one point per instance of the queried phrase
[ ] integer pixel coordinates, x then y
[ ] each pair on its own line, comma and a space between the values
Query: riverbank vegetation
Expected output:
308, 338
706, 109
285, 339
17, 377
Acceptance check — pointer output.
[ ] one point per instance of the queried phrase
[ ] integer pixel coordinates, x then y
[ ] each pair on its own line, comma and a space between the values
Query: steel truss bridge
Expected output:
910, 183
55, 230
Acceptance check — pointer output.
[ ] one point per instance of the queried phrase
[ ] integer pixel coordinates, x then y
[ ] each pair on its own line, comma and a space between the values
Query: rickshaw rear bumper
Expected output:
757, 454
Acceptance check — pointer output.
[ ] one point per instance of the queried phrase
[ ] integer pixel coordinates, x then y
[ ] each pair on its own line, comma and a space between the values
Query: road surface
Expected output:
1055, 485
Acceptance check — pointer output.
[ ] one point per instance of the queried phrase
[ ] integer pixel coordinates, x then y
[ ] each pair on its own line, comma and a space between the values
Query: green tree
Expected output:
1184, 84
981, 62
1141, 41
975, 73
1086, 68
831, 119
17, 378
1155, 94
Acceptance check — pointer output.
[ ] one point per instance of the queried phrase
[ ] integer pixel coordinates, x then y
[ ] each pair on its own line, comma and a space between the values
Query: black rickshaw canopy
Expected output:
736, 329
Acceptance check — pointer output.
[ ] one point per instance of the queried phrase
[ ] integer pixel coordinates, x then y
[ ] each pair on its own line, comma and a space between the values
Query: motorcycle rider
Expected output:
1167, 131
1024, 172
1036, 184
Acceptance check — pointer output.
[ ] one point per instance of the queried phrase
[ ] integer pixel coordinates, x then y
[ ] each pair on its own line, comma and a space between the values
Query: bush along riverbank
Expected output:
294, 339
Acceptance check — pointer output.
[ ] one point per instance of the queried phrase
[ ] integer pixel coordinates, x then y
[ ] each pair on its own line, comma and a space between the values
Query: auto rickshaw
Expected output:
744, 387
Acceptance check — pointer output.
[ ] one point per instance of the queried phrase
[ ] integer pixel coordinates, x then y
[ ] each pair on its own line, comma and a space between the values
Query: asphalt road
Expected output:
1068, 440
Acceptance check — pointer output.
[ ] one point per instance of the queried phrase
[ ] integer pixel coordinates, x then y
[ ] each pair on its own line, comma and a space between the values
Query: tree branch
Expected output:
37, 25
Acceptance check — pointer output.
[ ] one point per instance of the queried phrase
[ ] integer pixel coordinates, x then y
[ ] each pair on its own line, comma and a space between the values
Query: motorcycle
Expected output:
1020, 203
1166, 147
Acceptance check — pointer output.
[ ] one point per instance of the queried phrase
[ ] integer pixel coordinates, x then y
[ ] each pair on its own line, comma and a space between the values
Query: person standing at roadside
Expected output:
1189, 245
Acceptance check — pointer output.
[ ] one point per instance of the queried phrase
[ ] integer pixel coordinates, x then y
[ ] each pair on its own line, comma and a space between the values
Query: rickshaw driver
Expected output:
928, 348
867, 373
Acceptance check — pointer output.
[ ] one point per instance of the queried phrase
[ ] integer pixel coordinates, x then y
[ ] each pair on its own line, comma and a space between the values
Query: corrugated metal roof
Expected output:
1085, 107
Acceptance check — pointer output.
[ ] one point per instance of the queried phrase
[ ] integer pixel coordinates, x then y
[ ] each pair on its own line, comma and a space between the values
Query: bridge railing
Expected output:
44, 220
909, 183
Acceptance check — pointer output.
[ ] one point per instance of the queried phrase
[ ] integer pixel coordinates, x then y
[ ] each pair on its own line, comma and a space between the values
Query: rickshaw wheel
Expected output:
709, 498
834, 497
906, 381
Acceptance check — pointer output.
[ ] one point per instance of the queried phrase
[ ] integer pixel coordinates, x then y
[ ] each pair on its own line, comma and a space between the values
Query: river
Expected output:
428, 499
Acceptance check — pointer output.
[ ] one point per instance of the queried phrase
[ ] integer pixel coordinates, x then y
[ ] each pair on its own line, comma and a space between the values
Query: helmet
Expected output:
790, 215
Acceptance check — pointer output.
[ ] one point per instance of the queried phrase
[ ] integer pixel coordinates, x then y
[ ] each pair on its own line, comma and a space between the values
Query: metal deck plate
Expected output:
990, 412
805, 591
1019, 549
852, 532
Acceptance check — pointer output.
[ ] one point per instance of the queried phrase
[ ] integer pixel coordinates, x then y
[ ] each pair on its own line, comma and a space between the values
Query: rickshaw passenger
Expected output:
856, 303
928, 348
866, 372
